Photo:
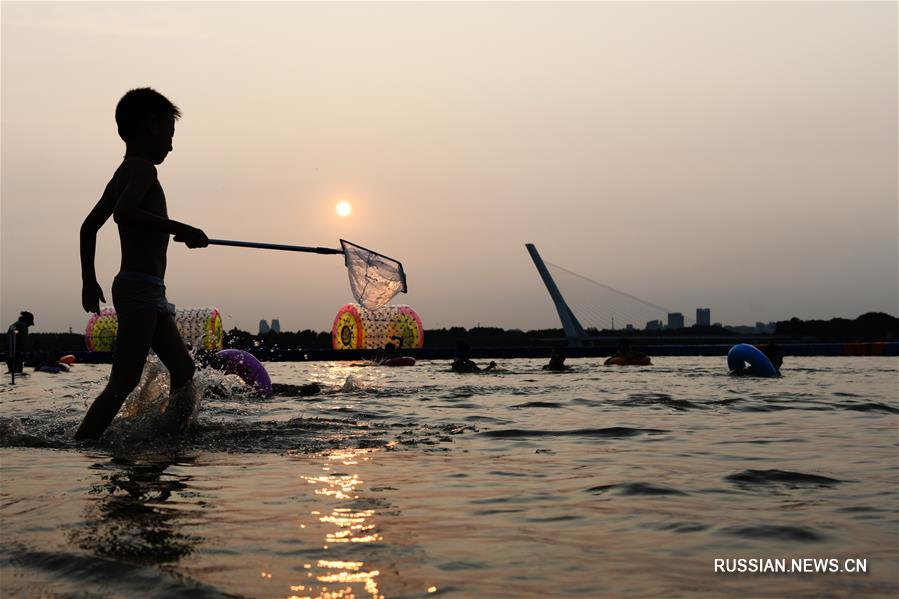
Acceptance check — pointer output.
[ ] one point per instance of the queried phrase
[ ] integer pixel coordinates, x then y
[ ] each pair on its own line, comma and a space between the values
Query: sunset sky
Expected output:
740, 156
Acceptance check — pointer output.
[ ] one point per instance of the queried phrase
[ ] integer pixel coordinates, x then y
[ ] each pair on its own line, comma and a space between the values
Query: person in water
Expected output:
775, 355
387, 353
390, 350
556, 361
18, 331
625, 352
464, 364
135, 200
206, 358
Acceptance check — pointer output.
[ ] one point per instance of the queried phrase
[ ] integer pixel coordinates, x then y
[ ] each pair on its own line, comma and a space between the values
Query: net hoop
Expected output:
374, 278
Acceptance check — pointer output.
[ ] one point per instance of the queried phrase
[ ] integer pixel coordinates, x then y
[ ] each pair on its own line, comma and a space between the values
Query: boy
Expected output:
134, 198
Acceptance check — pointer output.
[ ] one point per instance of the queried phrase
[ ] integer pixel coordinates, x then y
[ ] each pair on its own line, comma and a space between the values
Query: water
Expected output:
416, 482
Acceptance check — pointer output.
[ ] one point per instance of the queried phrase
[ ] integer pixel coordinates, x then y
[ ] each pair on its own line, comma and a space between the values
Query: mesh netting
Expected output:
374, 278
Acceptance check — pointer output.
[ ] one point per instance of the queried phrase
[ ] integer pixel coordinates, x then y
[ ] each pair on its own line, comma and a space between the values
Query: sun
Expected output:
344, 208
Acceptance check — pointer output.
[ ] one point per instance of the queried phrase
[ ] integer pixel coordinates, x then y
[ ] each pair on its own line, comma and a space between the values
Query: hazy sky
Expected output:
740, 156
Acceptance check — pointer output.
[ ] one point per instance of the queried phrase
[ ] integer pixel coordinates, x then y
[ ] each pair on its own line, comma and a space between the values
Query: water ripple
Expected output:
775, 532
613, 432
750, 478
635, 488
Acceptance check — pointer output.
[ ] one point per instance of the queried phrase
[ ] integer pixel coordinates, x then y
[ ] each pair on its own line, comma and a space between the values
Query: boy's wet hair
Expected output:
137, 106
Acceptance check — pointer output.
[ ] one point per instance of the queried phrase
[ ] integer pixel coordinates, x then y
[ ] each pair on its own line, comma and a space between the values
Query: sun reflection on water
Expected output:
341, 578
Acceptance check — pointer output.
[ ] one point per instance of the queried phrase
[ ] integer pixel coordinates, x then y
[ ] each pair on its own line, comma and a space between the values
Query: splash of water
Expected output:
152, 411
352, 383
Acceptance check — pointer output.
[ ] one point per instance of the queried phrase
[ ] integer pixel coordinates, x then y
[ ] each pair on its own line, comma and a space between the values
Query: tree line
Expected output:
873, 326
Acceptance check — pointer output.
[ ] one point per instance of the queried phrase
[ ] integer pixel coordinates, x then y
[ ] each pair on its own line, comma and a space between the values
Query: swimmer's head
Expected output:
146, 123
775, 353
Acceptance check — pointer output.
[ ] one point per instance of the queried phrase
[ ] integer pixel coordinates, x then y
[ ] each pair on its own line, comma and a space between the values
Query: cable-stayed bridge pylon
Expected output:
592, 306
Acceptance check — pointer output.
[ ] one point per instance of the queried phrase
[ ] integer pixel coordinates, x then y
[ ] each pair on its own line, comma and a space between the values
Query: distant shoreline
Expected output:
876, 348
873, 333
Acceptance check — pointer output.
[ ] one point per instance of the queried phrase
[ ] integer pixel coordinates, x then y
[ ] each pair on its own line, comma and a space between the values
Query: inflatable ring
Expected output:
67, 359
399, 361
743, 353
247, 367
636, 361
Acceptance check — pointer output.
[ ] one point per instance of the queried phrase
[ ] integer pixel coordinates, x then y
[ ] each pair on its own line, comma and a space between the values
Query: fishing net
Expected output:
374, 278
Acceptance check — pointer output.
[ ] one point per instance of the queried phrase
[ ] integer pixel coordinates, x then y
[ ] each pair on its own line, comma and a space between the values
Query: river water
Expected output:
417, 482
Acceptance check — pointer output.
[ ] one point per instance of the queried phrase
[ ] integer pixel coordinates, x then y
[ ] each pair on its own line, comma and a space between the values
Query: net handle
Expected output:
274, 246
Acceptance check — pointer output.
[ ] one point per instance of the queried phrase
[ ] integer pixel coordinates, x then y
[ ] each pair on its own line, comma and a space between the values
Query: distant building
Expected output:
263, 327
675, 320
653, 325
703, 317
628, 327
276, 325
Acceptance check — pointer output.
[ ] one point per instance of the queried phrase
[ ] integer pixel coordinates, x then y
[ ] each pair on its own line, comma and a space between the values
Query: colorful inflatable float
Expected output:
357, 328
642, 360
247, 367
200, 327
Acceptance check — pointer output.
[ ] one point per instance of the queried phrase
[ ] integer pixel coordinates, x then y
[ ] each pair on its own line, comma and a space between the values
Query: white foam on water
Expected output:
353, 382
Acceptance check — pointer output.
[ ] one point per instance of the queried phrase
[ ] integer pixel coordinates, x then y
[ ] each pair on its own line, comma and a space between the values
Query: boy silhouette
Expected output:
134, 198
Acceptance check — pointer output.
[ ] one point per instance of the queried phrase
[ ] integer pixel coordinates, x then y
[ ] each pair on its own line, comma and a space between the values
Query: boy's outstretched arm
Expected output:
91, 292
142, 176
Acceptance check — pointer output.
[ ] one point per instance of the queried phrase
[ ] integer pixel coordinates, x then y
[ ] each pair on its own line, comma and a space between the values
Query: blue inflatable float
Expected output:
743, 353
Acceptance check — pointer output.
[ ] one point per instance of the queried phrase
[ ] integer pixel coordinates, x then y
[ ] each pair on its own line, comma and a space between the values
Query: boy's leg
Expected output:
169, 346
133, 341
